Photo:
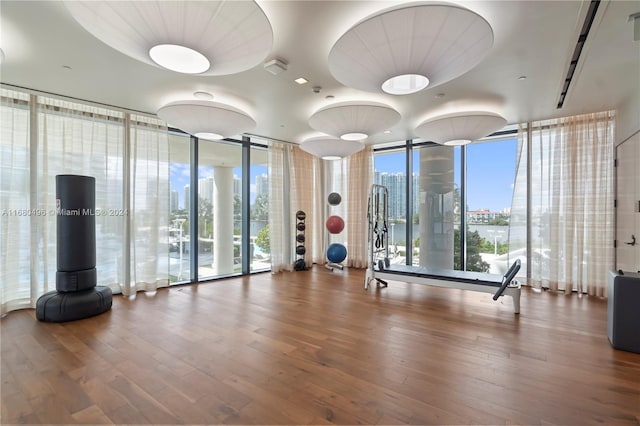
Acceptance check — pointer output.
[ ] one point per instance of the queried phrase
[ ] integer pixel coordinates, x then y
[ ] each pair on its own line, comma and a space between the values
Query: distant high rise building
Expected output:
205, 188
173, 201
262, 184
396, 184
415, 191
187, 197
237, 186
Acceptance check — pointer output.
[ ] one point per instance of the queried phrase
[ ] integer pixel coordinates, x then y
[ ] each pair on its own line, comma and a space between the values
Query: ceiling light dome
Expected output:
460, 128
404, 50
329, 148
215, 37
354, 121
208, 120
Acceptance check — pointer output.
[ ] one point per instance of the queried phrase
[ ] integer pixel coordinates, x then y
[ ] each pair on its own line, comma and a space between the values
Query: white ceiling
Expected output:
47, 50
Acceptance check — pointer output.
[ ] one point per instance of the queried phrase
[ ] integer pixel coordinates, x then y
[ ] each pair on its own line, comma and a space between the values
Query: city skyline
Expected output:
490, 175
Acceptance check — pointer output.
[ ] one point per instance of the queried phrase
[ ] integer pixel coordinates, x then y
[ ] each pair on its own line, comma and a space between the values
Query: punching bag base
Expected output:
76, 281
60, 307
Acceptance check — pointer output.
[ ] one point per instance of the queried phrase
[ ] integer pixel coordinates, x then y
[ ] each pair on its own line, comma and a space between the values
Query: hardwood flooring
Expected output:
314, 347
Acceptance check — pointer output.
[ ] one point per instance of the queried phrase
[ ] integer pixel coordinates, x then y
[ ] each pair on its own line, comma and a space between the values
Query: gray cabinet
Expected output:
623, 313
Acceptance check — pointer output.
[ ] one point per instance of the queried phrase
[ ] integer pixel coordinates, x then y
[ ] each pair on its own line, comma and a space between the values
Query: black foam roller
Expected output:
76, 232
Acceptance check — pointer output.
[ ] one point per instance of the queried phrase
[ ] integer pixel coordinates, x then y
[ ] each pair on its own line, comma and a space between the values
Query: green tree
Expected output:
260, 209
474, 246
205, 217
263, 241
500, 221
237, 206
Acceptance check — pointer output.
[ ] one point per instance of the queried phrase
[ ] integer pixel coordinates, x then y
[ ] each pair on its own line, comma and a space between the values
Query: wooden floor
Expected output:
314, 347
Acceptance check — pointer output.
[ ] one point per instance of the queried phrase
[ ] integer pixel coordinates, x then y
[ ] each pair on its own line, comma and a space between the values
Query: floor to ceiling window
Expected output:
457, 220
259, 248
437, 218
179, 199
219, 199
490, 173
390, 168
219, 195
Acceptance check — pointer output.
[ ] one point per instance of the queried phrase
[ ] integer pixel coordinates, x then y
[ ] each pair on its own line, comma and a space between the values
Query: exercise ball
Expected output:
301, 250
300, 215
334, 199
335, 224
300, 238
301, 226
336, 253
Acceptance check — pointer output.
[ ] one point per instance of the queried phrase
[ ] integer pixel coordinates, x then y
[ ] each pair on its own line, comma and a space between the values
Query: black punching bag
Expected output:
76, 233
76, 296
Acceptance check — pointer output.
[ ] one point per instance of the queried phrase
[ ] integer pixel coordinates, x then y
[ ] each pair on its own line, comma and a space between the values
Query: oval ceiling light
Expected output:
354, 121
460, 128
179, 59
329, 148
354, 136
404, 50
405, 84
231, 36
208, 120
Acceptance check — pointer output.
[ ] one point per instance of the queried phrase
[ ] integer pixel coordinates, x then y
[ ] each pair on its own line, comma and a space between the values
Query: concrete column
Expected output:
222, 220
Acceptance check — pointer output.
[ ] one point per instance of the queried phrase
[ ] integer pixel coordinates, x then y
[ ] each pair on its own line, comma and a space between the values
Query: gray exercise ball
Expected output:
334, 199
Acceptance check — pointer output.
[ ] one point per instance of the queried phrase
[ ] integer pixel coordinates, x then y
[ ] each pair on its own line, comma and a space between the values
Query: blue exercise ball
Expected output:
336, 253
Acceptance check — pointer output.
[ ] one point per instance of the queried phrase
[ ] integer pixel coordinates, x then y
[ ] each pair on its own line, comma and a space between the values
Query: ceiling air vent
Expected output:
586, 26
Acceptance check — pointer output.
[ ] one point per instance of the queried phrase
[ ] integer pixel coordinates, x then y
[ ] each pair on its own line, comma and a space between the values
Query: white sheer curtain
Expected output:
43, 137
15, 224
83, 140
301, 181
359, 173
280, 225
295, 183
149, 205
307, 195
571, 203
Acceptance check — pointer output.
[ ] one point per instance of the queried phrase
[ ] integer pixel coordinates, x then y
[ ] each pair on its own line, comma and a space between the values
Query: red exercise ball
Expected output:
335, 224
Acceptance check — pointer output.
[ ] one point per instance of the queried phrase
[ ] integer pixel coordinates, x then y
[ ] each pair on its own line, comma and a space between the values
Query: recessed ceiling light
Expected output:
354, 136
522, 77
405, 84
66, 66
440, 95
329, 97
386, 132
301, 80
179, 58
202, 95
